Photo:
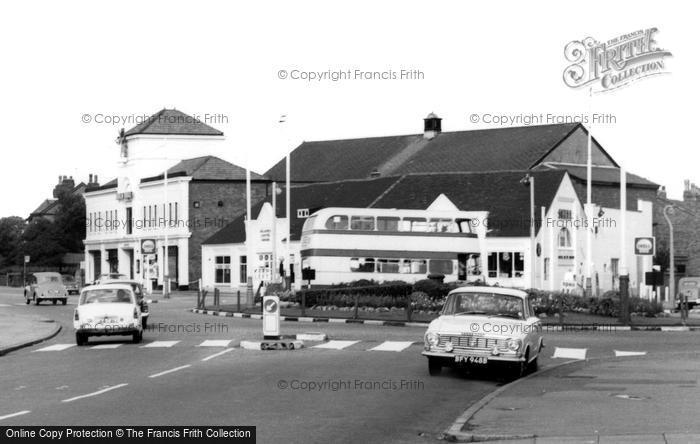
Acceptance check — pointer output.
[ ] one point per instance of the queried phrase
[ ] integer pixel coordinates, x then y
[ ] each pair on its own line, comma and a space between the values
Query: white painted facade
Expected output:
153, 216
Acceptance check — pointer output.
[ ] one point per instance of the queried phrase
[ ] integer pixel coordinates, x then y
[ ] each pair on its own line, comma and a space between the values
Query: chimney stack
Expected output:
90, 178
432, 126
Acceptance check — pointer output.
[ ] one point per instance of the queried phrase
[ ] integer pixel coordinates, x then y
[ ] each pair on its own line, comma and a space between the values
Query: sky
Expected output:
62, 61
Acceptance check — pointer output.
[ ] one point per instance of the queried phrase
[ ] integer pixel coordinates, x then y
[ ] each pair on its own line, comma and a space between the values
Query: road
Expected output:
310, 395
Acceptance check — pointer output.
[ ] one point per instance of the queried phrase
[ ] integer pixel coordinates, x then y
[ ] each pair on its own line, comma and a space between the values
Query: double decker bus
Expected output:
348, 244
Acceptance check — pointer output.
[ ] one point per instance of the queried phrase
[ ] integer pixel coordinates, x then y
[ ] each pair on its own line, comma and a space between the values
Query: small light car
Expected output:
139, 292
45, 286
485, 327
71, 284
107, 310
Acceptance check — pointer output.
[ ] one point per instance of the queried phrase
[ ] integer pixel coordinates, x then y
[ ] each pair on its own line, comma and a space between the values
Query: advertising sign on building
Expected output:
644, 246
148, 246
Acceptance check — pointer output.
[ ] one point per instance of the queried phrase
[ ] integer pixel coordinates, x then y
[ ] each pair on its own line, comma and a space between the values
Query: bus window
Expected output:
441, 226
387, 223
465, 225
365, 223
414, 266
417, 224
441, 266
362, 265
388, 265
337, 223
309, 224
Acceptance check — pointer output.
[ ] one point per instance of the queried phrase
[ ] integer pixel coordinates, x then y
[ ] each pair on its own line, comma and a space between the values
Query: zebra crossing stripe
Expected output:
160, 344
394, 346
336, 345
104, 346
215, 343
56, 347
569, 353
619, 353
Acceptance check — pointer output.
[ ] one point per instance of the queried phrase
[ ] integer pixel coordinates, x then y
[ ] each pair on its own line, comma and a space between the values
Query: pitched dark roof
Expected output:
173, 122
511, 148
500, 193
351, 194
605, 175
208, 168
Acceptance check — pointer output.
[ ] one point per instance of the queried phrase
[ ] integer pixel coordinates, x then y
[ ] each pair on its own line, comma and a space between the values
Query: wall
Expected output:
210, 217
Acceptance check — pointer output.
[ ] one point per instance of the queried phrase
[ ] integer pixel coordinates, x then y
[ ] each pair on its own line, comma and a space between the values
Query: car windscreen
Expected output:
106, 295
68, 279
44, 279
488, 304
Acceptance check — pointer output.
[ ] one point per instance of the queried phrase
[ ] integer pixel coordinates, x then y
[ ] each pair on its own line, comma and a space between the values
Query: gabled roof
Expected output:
500, 193
208, 168
603, 175
510, 148
173, 122
43, 207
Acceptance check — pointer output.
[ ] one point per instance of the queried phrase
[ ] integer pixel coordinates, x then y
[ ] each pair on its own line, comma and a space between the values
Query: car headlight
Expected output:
431, 339
513, 344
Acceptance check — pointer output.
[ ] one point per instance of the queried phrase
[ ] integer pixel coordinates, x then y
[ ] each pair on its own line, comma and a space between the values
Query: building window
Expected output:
506, 264
363, 223
129, 220
362, 265
441, 266
337, 223
387, 223
564, 238
615, 267
564, 214
546, 269
243, 270
223, 270
302, 213
175, 216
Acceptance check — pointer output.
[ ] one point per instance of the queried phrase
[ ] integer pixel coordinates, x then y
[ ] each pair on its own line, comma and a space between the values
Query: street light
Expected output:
529, 180
669, 210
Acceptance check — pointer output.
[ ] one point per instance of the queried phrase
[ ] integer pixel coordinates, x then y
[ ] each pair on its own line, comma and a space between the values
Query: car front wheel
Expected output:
136, 337
434, 367
64, 301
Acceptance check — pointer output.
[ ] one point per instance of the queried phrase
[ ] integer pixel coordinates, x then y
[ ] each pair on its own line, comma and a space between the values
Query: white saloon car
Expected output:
106, 310
485, 327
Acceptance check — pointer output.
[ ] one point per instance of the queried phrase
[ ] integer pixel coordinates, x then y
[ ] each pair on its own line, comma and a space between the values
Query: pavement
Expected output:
22, 330
643, 398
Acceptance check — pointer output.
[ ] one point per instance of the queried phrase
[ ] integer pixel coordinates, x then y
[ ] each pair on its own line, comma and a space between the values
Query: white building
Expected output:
163, 196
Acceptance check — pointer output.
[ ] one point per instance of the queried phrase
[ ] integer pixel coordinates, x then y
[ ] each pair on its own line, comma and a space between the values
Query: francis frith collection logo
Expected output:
609, 65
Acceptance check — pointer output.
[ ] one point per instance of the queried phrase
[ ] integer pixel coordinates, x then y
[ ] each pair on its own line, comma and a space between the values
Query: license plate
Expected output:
479, 360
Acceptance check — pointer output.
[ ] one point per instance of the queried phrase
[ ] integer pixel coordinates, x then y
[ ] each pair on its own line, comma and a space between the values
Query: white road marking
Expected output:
5, 305
215, 343
56, 347
99, 392
217, 354
570, 353
395, 346
619, 353
336, 345
160, 344
12, 415
170, 371
104, 346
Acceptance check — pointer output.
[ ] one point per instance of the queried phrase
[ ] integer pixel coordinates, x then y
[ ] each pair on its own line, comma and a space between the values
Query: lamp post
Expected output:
529, 180
669, 211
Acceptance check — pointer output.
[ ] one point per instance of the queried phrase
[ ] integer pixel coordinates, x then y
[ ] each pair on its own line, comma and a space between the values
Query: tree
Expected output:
42, 241
70, 221
11, 229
